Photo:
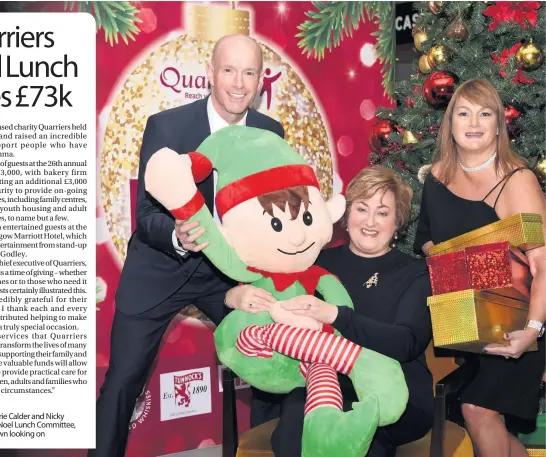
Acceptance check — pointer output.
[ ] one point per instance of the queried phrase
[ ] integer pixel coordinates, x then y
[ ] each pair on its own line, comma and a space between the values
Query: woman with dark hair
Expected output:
389, 290
476, 179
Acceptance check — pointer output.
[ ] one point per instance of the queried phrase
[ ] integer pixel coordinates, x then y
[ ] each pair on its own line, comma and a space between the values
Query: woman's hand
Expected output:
310, 306
282, 316
426, 247
519, 341
249, 299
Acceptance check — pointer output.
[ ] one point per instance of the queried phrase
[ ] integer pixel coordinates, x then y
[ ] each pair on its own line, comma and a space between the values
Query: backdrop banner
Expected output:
322, 83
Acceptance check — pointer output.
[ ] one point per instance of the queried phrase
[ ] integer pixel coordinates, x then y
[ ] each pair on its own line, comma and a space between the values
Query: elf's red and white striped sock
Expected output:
322, 388
304, 366
300, 344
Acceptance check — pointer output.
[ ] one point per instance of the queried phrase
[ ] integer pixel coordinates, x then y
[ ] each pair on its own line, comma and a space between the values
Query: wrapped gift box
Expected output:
522, 231
495, 267
448, 272
468, 320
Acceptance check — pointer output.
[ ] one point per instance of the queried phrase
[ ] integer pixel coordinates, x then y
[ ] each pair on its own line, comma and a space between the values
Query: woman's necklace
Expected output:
479, 167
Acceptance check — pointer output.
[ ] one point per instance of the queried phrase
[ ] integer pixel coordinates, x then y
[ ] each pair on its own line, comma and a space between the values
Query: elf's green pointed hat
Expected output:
250, 162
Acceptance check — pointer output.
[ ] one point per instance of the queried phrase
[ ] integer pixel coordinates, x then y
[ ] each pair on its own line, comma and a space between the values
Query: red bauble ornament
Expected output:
380, 135
510, 115
410, 102
375, 144
438, 88
382, 130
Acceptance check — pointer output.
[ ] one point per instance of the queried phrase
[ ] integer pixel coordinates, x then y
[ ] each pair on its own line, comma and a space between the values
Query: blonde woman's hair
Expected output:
380, 179
481, 93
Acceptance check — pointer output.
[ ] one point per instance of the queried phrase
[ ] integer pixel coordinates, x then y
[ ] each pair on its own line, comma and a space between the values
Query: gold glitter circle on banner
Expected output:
142, 94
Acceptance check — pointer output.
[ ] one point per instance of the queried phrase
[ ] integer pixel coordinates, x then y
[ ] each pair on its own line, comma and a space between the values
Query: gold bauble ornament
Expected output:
542, 166
409, 138
436, 7
148, 89
418, 40
457, 30
438, 55
541, 172
529, 57
424, 64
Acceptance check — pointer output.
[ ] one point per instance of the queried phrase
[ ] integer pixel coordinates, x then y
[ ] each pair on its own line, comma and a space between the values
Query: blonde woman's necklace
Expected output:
479, 167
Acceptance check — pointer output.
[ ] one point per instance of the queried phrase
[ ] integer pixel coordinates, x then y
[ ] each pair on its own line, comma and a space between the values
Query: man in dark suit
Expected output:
159, 276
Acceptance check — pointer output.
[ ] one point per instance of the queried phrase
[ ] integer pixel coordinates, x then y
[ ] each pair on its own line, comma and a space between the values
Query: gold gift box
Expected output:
468, 320
522, 230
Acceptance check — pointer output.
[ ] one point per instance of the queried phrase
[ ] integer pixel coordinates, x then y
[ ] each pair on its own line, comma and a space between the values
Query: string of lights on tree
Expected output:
501, 42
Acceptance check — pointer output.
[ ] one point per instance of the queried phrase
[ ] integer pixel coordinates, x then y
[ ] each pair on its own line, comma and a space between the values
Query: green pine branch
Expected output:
334, 21
115, 18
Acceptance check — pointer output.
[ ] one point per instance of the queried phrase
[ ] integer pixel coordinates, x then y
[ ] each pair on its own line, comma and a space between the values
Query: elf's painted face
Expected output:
279, 243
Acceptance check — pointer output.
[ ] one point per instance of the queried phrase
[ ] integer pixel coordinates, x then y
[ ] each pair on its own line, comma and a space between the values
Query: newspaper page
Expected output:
47, 231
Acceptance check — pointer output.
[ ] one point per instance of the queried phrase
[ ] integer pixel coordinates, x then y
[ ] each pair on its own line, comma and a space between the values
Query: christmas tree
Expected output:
501, 42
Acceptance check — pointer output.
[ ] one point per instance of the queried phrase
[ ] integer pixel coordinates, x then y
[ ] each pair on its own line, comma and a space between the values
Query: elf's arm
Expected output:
170, 181
333, 291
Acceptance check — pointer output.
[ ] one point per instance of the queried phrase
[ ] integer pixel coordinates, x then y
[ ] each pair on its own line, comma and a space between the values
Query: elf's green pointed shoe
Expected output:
328, 432
382, 376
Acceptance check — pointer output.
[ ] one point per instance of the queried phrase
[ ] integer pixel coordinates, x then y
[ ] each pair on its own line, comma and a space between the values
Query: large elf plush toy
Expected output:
274, 225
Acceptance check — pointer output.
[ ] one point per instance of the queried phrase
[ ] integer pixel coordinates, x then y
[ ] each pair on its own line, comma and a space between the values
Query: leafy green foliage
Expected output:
115, 18
334, 21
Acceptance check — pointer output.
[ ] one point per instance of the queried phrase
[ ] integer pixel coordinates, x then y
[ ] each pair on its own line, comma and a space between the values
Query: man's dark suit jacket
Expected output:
153, 270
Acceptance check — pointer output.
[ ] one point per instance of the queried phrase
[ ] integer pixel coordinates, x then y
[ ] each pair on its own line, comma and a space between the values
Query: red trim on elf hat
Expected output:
201, 166
189, 209
262, 183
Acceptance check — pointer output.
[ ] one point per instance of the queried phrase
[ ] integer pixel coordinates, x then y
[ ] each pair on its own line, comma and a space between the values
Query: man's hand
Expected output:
519, 341
249, 299
188, 241
311, 306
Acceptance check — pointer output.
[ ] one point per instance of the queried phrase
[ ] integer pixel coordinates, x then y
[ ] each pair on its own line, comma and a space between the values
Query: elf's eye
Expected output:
276, 224
307, 218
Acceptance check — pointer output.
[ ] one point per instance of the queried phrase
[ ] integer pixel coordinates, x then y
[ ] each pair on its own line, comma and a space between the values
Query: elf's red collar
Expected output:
308, 278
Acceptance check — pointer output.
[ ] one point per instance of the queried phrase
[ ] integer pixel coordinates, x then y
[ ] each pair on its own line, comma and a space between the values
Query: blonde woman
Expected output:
476, 180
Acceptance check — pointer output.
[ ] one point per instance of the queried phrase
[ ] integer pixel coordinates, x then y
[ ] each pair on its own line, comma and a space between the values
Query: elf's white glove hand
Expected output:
168, 178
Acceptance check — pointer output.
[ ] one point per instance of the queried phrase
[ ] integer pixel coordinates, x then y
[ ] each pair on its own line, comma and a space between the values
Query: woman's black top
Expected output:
510, 387
391, 317
444, 215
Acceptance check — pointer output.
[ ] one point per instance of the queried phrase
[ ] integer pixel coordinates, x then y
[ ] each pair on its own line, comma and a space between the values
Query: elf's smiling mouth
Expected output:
297, 252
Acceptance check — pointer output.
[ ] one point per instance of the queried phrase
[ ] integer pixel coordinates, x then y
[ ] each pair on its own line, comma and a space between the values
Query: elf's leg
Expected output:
327, 430
370, 372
